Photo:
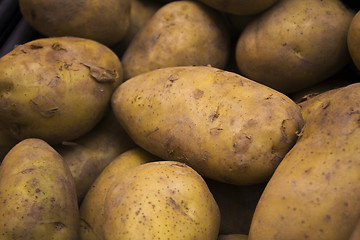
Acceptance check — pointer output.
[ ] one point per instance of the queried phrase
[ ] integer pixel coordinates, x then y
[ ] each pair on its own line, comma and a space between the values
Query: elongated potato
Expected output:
315, 191
37, 194
225, 126
56, 89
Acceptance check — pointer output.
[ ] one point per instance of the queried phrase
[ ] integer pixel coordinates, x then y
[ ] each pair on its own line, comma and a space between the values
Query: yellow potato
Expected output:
37, 194
315, 191
295, 44
223, 125
180, 33
103, 21
92, 207
56, 89
160, 200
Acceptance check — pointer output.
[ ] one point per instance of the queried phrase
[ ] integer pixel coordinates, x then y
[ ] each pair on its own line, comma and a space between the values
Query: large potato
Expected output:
180, 33
103, 21
240, 7
92, 208
315, 191
225, 126
37, 194
295, 44
160, 200
56, 89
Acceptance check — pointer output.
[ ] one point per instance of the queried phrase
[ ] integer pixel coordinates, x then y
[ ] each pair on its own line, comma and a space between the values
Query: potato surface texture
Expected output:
295, 44
37, 193
161, 200
103, 21
56, 89
315, 191
92, 208
180, 33
223, 125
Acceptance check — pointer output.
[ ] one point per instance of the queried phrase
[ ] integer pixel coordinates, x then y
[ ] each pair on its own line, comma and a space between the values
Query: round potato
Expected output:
56, 89
295, 44
103, 21
223, 125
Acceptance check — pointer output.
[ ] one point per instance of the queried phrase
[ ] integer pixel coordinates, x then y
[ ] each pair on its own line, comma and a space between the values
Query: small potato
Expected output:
180, 33
37, 194
314, 193
92, 207
56, 89
223, 125
160, 200
103, 21
295, 44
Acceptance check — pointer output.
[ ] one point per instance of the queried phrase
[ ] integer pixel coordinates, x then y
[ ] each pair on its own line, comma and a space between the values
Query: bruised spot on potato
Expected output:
198, 94
241, 143
101, 74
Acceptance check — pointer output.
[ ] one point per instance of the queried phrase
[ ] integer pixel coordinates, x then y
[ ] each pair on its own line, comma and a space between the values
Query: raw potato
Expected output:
295, 44
315, 191
88, 155
180, 33
37, 194
223, 125
56, 89
160, 200
92, 208
103, 21
353, 39
240, 7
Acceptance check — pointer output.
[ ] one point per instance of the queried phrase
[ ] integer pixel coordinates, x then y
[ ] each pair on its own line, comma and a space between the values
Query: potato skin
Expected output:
223, 125
315, 191
56, 89
353, 37
295, 44
180, 33
161, 199
37, 193
103, 21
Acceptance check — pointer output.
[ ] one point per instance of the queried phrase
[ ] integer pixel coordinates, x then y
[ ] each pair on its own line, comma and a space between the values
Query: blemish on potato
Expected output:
198, 93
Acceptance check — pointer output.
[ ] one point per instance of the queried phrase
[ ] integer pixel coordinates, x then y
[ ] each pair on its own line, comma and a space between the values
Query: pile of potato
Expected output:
209, 119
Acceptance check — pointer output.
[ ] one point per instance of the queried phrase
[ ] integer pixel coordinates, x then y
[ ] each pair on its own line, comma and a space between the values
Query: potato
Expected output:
37, 194
103, 21
88, 155
163, 200
179, 33
353, 38
295, 44
92, 207
240, 7
227, 127
315, 191
56, 89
